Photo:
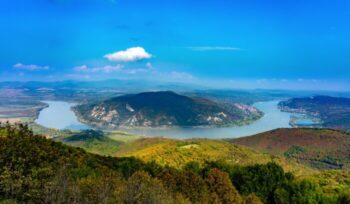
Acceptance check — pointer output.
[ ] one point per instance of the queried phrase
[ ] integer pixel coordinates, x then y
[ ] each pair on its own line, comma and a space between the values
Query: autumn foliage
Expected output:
34, 169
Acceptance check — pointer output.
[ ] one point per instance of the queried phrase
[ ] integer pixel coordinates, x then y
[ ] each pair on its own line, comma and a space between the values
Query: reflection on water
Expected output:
59, 115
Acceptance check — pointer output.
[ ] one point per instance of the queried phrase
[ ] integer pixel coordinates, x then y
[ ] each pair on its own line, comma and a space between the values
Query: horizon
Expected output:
287, 45
194, 85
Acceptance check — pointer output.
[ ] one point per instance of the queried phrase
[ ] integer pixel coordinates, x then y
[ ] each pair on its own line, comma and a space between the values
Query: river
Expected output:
60, 116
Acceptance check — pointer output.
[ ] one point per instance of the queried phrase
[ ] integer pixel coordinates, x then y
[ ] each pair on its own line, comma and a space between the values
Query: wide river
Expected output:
60, 116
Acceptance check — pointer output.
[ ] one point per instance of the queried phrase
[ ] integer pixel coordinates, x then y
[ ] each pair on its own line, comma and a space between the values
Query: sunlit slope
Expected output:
177, 153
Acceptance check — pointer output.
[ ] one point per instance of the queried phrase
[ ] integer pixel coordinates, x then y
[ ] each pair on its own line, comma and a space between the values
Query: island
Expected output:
164, 109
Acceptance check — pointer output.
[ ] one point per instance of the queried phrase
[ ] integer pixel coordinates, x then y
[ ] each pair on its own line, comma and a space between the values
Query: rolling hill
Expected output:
34, 169
320, 148
154, 109
177, 153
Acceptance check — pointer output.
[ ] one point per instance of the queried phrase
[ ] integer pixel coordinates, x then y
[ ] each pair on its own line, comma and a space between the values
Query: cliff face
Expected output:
153, 109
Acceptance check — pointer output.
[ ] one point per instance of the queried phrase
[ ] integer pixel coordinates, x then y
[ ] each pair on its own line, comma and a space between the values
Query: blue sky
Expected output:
241, 44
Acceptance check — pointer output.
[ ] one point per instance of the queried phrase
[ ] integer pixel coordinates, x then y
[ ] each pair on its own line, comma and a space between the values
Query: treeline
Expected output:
34, 169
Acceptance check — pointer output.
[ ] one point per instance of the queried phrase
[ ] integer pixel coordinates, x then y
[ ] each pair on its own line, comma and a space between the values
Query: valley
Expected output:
316, 157
174, 102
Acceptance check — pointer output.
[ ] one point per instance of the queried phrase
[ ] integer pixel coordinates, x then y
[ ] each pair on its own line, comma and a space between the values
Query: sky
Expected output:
292, 44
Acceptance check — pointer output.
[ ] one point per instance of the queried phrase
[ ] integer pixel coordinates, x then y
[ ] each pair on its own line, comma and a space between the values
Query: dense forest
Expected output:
34, 169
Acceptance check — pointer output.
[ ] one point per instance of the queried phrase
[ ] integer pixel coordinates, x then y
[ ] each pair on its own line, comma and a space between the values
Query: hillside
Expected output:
177, 153
320, 148
153, 109
333, 112
172, 152
92, 141
34, 169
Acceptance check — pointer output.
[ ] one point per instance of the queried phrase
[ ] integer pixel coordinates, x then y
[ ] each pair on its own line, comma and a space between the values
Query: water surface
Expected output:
273, 118
59, 116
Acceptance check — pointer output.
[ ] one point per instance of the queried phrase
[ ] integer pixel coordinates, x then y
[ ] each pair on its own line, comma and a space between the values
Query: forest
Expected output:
34, 169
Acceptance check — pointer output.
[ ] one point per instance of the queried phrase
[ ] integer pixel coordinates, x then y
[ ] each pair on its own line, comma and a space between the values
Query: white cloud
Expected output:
105, 69
30, 67
129, 55
213, 48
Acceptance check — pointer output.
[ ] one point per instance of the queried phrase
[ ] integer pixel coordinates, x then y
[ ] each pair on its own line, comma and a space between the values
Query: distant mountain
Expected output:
152, 109
334, 112
320, 148
132, 85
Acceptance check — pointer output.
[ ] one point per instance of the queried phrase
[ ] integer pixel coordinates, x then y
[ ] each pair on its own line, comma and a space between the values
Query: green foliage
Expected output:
142, 188
344, 198
34, 169
193, 167
94, 141
261, 179
300, 192
294, 151
189, 184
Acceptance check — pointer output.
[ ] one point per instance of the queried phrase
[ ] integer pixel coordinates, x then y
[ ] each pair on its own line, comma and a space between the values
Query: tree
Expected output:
142, 188
344, 198
303, 191
252, 199
220, 184
187, 183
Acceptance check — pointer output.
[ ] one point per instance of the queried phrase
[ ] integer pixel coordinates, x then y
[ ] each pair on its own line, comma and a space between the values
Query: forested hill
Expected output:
333, 112
34, 169
319, 148
163, 108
